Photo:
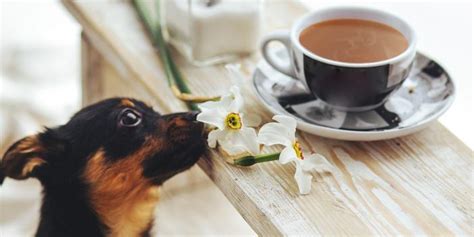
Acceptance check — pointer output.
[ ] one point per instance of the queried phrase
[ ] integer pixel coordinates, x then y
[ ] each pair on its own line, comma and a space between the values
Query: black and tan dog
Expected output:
101, 171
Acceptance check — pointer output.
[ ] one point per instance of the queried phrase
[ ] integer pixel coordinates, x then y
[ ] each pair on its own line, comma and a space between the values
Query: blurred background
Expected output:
40, 85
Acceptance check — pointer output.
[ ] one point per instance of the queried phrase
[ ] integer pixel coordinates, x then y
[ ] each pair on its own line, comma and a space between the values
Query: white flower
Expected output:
232, 126
283, 133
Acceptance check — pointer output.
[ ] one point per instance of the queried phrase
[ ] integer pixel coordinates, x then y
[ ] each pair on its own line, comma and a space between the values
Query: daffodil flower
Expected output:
283, 133
233, 127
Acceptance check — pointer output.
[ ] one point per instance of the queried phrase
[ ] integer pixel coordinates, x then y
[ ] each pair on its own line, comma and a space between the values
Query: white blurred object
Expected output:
208, 31
39, 86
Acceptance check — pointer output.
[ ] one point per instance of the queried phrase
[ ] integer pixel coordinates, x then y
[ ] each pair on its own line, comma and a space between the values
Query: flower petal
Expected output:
222, 105
237, 101
251, 120
274, 133
231, 143
240, 141
316, 162
248, 137
287, 155
232, 149
209, 105
213, 136
226, 102
289, 123
212, 117
303, 179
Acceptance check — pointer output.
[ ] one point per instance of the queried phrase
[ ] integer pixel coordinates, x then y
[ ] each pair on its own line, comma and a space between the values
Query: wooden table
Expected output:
418, 184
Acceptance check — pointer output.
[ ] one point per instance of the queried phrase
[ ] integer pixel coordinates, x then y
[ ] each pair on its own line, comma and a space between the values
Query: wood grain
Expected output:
415, 185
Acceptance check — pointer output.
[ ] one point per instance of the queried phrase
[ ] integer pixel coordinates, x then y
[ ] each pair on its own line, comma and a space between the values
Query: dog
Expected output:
101, 171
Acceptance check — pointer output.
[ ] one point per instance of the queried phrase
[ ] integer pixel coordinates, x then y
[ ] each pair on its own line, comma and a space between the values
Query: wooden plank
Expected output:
418, 184
91, 72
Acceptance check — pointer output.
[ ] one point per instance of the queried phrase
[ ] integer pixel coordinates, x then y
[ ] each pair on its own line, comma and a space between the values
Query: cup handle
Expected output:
282, 36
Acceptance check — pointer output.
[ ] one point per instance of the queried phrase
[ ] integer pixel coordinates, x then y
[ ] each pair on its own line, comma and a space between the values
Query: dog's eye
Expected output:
130, 118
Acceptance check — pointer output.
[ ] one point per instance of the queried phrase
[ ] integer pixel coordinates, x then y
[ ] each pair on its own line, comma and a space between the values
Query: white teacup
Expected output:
380, 79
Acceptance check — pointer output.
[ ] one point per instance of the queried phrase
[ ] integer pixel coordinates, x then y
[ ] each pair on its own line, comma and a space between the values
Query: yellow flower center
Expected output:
233, 121
298, 151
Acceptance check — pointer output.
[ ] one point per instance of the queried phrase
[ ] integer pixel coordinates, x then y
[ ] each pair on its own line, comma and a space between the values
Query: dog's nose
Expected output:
192, 115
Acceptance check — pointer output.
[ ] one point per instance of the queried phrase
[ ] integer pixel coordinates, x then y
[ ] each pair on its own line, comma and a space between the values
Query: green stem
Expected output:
251, 160
178, 78
173, 74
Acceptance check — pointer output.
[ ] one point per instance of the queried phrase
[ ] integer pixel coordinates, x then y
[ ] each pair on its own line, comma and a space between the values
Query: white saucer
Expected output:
426, 94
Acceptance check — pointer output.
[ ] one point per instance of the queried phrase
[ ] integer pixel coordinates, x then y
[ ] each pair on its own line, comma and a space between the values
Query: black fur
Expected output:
66, 209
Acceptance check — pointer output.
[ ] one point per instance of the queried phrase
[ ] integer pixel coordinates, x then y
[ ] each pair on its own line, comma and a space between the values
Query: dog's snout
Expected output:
183, 127
187, 116
191, 116
182, 121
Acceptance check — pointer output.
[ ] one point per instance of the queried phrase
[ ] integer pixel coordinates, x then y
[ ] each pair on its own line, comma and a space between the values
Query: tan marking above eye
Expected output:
127, 102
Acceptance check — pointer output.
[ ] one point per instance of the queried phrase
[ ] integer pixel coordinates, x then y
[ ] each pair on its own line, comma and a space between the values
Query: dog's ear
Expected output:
23, 158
